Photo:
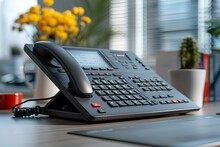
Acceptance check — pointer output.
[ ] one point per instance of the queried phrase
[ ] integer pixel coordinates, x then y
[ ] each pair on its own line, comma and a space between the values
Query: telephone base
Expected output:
61, 107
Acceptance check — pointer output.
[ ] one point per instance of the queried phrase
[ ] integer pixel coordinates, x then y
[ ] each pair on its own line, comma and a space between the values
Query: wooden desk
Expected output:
52, 132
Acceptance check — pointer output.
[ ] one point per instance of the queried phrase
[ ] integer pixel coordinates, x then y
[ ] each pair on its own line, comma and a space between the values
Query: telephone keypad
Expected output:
116, 92
153, 84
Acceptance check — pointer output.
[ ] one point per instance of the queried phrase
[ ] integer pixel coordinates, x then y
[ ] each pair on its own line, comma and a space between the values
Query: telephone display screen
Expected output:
89, 58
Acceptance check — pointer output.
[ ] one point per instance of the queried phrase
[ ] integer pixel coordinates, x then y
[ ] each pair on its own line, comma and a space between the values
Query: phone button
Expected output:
101, 110
86, 68
94, 68
95, 105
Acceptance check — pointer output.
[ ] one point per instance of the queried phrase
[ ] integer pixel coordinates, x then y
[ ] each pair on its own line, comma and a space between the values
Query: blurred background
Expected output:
152, 29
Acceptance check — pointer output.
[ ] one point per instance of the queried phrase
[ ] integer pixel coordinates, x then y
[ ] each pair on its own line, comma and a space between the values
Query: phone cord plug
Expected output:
28, 111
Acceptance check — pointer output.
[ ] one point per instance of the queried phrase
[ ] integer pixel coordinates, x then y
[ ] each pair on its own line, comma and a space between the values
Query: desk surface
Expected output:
45, 131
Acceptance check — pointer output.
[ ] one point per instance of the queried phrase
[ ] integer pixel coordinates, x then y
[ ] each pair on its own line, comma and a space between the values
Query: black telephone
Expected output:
100, 84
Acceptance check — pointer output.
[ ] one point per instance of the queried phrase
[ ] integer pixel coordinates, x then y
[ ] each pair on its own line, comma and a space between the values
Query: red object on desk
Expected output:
206, 67
8, 100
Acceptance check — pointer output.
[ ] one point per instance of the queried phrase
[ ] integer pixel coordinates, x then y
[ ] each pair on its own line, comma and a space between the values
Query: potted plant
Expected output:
189, 79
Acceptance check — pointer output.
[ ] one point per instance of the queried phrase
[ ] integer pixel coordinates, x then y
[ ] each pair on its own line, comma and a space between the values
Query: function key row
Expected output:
144, 84
126, 61
142, 102
86, 68
122, 97
173, 101
107, 82
137, 79
128, 64
157, 88
131, 103
112, 87
153, 84
139, 61
98, 74
116, 92
96, 68
162, 96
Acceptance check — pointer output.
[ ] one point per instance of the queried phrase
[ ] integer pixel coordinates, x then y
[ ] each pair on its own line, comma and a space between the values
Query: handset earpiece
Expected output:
79, 82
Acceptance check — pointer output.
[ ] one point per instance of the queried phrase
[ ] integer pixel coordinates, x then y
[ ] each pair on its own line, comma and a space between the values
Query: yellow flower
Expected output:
42, 22
80, 11
45, 29
48, 2
22, 21
74, 30
77, 10
61, 35
52, 22
57, 15
67, 13
47, 11
60, 28
42, 38
33, 18
71, 22
35, 9
86, 20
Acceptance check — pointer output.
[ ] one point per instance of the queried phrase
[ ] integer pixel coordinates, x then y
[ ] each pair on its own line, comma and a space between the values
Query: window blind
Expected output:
119, 23
147, 26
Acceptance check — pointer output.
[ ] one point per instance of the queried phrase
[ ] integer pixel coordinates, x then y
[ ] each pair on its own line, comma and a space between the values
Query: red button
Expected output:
175, 101
95, 105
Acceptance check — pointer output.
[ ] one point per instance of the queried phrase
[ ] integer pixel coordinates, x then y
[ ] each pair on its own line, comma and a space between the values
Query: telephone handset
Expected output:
79, 82
114, 84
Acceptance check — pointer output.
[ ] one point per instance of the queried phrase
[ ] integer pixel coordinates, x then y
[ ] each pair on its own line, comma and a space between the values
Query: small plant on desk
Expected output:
189, 54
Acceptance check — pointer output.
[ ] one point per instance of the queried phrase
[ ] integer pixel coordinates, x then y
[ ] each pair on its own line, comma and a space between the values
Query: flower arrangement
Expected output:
64, 28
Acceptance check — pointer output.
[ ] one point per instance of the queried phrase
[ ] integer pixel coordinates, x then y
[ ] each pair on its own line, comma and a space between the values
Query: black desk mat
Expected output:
193, 131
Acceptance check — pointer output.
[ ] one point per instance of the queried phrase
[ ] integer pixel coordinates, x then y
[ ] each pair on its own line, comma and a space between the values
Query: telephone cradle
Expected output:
101, 84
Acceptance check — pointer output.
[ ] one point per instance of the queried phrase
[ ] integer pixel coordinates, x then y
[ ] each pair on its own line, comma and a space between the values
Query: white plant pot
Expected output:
189, 82
44, 86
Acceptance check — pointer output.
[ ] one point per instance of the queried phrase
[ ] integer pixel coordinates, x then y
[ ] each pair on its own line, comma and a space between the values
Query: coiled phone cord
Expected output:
28, 111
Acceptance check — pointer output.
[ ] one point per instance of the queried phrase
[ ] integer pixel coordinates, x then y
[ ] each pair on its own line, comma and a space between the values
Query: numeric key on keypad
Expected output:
130, 97
95, 87
118, 87
122, 97
138, 97
97, 82
121, 103
103, 87
100, 93
116, 92
108, 92
110, 87
105, 82
115, 98
106, 98
129, 103
144, 102
136, 102
112, 104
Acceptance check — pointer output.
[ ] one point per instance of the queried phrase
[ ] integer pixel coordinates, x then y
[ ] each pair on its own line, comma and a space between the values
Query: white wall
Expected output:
9, 11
